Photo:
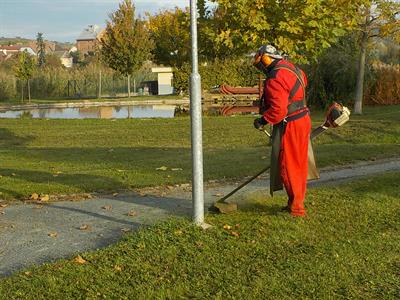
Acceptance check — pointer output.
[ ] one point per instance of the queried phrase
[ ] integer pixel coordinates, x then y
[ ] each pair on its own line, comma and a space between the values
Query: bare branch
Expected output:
370, 21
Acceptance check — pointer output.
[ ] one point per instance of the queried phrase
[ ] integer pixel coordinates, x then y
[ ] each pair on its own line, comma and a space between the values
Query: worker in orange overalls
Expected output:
284, 106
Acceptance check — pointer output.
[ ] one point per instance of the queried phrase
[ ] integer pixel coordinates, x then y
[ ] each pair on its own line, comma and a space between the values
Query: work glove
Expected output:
259, 123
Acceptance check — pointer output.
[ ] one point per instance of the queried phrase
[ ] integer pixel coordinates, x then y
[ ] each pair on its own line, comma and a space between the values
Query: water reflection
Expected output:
102, 112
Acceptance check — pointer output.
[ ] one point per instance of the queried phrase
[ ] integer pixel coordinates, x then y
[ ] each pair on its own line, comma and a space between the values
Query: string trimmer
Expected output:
336, 116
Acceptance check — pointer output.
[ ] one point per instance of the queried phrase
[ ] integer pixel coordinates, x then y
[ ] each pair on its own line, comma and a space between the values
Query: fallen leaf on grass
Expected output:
177, 169
107, 207
34, 196
132, 213
163, 168
234, 233
125, 229
227, 227
117, 268
79, 260
178, 232
27, 273
53, 234
85, 227
44, 198
87, 196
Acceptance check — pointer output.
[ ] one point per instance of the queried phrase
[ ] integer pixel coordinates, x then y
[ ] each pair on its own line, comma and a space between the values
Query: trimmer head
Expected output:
224, 207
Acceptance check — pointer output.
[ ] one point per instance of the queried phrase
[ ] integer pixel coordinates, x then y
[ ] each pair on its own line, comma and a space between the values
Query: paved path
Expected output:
31, 234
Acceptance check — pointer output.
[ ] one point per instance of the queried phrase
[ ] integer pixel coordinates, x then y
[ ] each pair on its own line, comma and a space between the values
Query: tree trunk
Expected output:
360, 75
129, 86
29, 91
99, 94
22, 90
134, 86
15, 90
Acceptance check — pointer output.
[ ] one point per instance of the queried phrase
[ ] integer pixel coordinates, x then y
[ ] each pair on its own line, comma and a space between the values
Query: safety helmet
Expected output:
264, 57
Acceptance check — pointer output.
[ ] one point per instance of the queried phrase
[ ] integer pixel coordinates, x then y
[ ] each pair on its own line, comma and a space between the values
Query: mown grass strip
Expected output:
76, 156
347, 247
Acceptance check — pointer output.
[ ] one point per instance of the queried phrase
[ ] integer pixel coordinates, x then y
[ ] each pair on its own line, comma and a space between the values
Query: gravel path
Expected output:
32, 234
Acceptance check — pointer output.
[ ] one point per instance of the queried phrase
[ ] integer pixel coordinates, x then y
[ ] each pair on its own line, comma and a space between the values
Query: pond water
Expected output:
100, 112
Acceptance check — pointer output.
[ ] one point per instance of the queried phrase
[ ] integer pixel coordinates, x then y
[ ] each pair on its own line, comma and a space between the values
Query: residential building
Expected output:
89, 38
11, 50
65, 58
49, 47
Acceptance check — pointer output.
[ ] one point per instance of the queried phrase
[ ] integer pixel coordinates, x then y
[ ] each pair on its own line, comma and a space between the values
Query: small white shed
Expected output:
165, 78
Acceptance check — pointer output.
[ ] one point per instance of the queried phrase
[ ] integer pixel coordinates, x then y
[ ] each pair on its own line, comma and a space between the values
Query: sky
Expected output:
64, 20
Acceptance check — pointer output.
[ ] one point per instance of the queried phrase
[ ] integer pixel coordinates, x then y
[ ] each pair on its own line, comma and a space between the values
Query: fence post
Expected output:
99, 94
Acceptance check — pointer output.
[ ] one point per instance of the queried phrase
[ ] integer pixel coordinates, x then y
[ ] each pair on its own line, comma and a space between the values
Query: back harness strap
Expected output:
296, 105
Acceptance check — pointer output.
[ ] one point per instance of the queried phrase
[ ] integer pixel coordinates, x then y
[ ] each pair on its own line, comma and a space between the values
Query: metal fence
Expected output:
74, 84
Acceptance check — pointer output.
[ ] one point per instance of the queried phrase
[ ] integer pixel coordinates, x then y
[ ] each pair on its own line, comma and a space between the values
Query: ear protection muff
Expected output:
262, 61
267, 60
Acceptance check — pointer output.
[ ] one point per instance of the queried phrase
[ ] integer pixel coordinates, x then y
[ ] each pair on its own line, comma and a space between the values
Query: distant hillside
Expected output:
23, 41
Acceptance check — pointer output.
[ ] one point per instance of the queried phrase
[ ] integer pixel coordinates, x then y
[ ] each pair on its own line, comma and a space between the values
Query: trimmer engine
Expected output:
337, 115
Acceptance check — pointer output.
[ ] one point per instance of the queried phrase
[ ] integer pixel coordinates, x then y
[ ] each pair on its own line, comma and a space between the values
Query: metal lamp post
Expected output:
196, 124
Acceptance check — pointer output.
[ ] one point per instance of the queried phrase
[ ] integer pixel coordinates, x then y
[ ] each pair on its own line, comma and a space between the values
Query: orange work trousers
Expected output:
293, 161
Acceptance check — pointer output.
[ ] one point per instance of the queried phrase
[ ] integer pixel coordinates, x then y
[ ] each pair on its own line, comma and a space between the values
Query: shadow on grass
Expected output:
9, 140
134, 166
14, 194
268, 209
83, 182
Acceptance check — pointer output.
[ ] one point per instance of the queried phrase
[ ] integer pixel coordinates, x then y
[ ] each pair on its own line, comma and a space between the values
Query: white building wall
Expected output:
165, 78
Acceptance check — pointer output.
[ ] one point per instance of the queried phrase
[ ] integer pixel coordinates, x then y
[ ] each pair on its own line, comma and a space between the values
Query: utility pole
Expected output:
196, 124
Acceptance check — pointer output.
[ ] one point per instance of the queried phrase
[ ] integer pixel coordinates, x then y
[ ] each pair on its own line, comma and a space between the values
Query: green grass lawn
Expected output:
348, 247
78, 156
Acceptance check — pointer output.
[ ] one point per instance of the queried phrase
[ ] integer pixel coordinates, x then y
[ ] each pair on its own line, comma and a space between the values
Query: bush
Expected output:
333, 77
385, 88
235, 72
7, 87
